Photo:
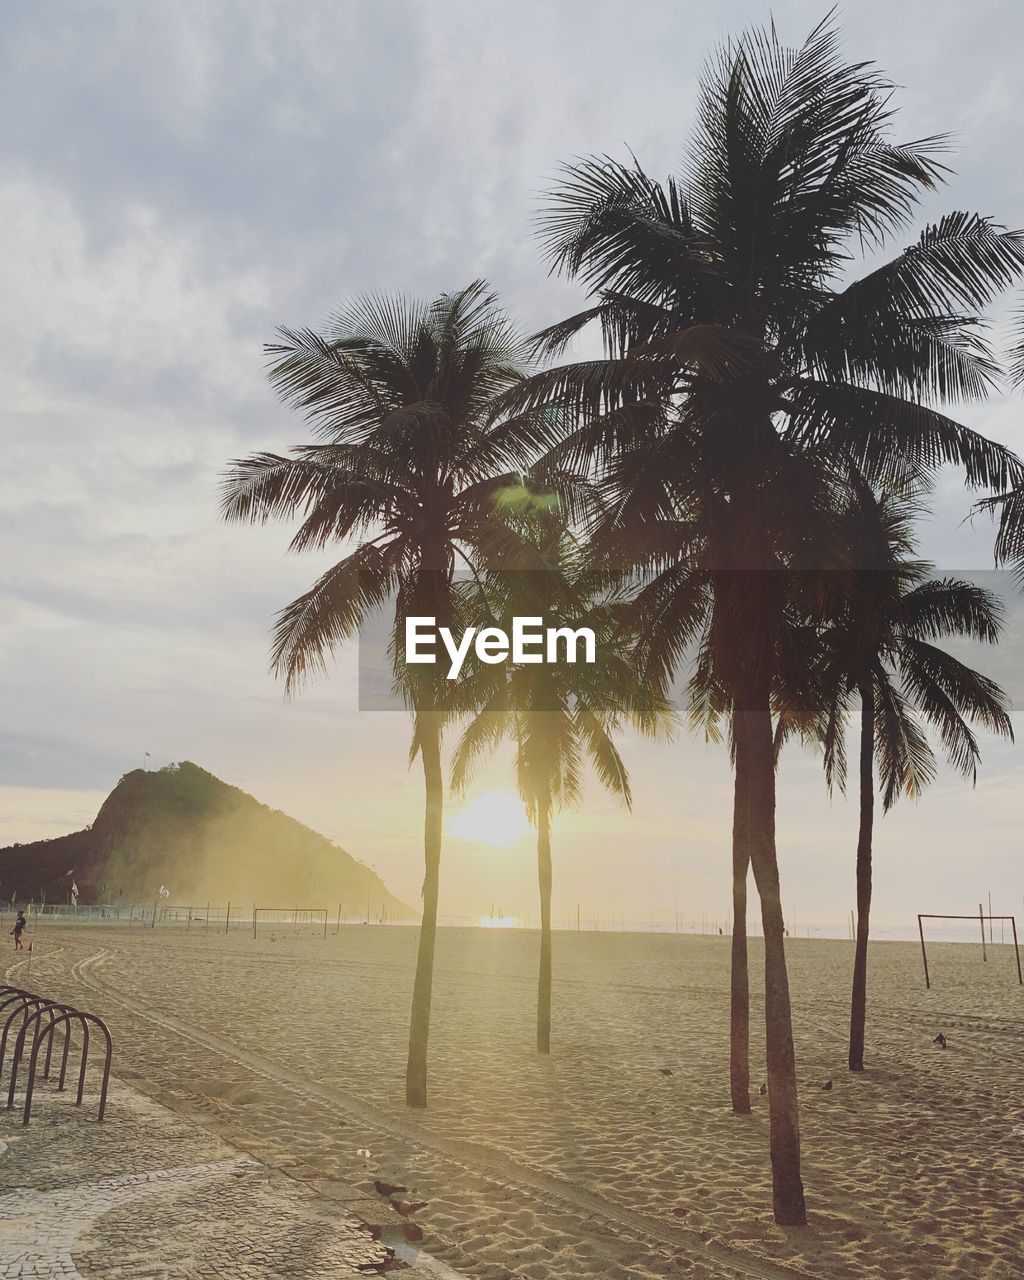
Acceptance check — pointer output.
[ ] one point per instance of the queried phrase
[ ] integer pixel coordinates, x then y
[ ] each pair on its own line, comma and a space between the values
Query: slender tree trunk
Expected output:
858, 1005
739, 1004
544, 877
756, 764
429, 730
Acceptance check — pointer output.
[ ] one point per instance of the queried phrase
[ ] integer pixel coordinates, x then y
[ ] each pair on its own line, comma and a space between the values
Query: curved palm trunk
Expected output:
739, 996
755, 765
429, 731
544, 878
858, 1004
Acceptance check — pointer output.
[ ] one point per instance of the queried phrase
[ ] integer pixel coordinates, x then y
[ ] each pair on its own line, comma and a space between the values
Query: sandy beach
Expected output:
619, 1156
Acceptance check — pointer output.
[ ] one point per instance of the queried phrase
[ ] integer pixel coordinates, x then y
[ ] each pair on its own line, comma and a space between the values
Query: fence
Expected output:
223, 919
200, 917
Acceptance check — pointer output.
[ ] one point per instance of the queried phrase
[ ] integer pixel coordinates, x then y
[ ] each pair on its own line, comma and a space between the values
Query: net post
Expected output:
1016, 949
924, 953
254, 924
981, 917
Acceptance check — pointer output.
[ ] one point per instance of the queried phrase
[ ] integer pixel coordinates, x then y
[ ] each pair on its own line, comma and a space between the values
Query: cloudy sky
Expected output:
176, 180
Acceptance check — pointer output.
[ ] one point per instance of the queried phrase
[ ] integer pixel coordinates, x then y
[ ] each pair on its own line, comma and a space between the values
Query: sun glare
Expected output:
494, 818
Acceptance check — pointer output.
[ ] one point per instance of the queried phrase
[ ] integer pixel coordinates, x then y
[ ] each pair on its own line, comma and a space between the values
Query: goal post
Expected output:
308, 919
981, 917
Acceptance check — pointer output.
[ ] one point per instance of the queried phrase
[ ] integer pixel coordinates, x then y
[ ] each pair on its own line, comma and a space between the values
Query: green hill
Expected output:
205, 841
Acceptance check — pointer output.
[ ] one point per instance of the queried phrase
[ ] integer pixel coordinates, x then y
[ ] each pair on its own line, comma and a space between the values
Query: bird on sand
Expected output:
387, 1189
827, 1085
940, 1040
763, 1090
405, 1208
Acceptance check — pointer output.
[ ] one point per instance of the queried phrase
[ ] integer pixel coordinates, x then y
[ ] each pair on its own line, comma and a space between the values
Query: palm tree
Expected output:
879, 647
560, 716
796, 698
407, 463
743, 377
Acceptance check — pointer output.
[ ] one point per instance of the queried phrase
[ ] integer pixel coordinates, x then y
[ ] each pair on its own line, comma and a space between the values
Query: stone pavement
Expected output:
148, 1193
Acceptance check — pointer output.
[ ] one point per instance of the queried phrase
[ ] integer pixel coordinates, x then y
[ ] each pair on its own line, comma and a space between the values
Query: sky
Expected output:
177, 180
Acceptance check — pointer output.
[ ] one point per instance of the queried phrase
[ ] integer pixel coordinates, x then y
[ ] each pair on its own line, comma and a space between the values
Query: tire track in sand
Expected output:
503, 1171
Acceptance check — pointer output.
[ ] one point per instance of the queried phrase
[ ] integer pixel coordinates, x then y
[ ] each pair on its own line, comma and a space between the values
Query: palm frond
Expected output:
890, 440
309, 630
905, 760
949, 693
951, 607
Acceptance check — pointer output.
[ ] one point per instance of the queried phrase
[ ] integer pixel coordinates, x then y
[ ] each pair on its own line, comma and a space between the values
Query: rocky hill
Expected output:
205, 841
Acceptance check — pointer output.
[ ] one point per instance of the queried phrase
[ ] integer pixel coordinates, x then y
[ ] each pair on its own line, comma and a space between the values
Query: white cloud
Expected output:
178, 179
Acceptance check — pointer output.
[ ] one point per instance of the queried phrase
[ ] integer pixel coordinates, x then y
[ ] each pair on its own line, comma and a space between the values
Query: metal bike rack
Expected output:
30, 1020
40, 1019
23, 1002
47, 1034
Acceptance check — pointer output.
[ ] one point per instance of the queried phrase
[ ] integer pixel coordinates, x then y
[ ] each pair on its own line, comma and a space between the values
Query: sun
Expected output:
493, 818
498, 922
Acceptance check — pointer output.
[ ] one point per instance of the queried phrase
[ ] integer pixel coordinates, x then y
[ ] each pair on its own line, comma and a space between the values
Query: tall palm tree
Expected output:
879, 647
797, 711
563, 716
408, 459
742, 375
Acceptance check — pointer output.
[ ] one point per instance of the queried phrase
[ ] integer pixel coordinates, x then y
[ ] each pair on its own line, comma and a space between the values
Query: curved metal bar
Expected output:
49, 1046
91, 1017
67, 1049
23, 1002
14, 996
19, 1045
82, 1065
53, 1024
14, 993
66, 1017
37, 1006
49, 1053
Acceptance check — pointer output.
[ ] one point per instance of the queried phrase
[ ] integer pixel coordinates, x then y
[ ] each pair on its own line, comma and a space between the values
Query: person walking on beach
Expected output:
19, 928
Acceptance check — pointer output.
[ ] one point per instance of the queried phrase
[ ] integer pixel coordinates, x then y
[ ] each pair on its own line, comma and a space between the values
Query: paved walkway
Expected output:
150, 1194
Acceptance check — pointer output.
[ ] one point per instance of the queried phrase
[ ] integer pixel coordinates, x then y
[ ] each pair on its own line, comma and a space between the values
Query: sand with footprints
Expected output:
617, 1156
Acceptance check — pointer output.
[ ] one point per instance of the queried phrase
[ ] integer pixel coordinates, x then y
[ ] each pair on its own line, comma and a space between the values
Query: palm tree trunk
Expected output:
755, 764
544, 877
739, 1003
858, 1004
429, 733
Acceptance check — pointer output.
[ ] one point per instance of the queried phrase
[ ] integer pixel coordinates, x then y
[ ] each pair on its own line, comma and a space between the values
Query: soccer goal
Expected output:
308, 921
981, 917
